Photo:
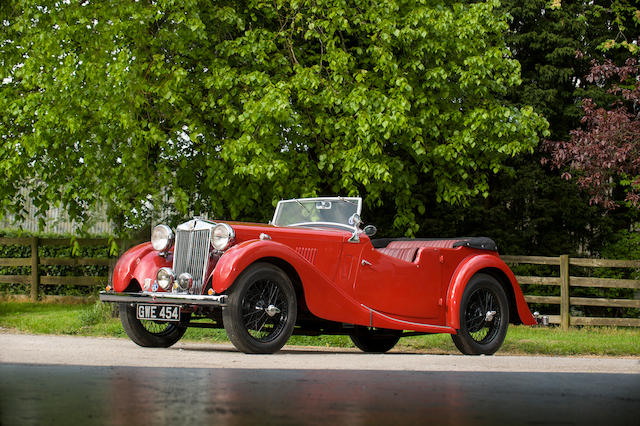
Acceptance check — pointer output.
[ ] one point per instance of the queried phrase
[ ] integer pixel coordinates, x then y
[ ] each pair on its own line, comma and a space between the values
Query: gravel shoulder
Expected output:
99, 351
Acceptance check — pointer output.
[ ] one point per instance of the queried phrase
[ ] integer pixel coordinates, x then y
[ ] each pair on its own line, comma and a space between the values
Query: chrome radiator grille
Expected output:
191, 254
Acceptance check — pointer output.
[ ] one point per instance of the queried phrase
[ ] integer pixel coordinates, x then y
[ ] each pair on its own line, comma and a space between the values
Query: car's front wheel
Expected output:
484, 317
374, 340
151, 334
261, 310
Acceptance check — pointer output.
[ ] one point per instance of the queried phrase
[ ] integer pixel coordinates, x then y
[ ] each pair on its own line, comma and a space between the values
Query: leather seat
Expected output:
407, 250
406, 254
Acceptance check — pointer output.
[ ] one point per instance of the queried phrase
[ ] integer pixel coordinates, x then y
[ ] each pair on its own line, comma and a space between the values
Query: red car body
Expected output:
410, 285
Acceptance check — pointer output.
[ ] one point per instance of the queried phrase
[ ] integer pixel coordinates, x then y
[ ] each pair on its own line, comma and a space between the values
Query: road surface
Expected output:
79, 380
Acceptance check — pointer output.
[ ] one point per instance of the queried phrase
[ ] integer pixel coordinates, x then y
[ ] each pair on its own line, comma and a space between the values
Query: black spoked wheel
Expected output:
151, 334
484, 317
374, 340
261, 310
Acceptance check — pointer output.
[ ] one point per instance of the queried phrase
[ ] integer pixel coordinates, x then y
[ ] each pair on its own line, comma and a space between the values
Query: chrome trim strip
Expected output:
164, 298
442, 327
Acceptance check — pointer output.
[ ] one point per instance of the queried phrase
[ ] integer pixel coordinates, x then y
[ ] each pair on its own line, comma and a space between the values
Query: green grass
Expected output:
97, 320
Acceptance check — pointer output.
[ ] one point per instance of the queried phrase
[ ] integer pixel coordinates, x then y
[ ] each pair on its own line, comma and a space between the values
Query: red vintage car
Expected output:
313, 270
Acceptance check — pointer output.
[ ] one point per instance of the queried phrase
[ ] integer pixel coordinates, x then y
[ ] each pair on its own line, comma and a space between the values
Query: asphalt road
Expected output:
74, 380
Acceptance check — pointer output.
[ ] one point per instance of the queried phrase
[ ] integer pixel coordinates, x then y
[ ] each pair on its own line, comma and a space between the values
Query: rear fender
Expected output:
138, 263
324, 299
467, 269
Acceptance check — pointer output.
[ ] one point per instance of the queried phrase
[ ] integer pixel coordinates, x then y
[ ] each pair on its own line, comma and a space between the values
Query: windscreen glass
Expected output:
316, 210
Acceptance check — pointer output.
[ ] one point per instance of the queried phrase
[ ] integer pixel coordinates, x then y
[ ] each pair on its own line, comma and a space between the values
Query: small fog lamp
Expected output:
184, 282
165, 278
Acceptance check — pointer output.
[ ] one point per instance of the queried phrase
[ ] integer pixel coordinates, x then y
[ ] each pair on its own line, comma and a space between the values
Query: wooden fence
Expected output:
566, 281
36, 279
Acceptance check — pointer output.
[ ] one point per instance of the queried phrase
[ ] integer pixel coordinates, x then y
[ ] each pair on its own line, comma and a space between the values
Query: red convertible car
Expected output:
313, 270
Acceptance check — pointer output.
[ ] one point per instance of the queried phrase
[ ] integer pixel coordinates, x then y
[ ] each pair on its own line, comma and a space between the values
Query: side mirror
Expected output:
370, 230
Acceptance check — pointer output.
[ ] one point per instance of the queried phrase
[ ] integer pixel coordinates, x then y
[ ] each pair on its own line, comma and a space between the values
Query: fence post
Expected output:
564, 292
35, 273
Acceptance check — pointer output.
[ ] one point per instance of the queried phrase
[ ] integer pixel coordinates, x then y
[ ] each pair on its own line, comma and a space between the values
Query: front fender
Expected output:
138, 263
239, 257
324, 299
469, 267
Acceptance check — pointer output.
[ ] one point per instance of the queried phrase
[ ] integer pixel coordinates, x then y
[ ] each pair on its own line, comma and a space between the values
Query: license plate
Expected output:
158, 312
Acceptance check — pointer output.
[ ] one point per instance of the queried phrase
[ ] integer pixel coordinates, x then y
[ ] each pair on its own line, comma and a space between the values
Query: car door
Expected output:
389, 285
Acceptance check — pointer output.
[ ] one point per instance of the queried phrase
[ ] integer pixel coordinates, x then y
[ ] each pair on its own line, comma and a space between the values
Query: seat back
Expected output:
404, 244
406, 254
407, 249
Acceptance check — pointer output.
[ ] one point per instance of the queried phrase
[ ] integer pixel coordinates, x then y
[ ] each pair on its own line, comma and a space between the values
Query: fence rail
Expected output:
36, 279
566, 281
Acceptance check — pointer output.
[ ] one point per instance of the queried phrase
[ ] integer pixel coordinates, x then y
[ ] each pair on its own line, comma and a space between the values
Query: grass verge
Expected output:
96, 320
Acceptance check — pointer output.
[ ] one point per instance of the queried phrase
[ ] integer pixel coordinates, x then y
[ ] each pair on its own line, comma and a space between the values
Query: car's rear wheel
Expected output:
261, 310
151, 334
484, 316
374, 340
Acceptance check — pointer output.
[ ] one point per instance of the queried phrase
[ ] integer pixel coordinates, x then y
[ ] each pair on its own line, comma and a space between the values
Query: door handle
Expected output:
365, 263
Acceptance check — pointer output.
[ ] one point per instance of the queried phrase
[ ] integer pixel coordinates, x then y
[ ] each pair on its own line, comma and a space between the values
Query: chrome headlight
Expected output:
165, 277
223, 236
184, 282
161, 238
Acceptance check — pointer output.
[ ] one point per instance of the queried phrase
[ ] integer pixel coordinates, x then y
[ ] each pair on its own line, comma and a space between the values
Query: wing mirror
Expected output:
370, 230
356, 221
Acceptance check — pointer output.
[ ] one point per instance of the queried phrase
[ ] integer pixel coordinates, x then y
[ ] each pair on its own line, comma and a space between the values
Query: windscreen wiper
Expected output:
302, 205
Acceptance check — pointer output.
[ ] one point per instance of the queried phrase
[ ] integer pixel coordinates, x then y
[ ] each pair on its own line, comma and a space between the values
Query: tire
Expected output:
477, 334
261, 310
151, 334
374, 340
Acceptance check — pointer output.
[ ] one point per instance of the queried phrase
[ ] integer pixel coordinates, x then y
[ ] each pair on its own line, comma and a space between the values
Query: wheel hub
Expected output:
489, 316
272, 310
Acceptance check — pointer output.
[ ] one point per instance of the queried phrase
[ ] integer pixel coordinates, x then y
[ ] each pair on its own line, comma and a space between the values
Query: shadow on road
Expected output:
48, 394
299, 350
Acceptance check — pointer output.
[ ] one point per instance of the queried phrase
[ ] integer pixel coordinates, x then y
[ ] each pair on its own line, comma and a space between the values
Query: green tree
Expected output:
230, 106
532, 210
555, 43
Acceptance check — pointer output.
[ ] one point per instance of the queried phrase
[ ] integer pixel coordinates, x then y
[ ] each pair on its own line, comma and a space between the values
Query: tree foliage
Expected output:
555, 43
532, 210
227, 107
605, 152
603, 144
535, 212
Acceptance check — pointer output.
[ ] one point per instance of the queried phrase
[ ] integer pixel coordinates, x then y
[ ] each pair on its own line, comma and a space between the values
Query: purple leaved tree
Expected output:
604, 154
